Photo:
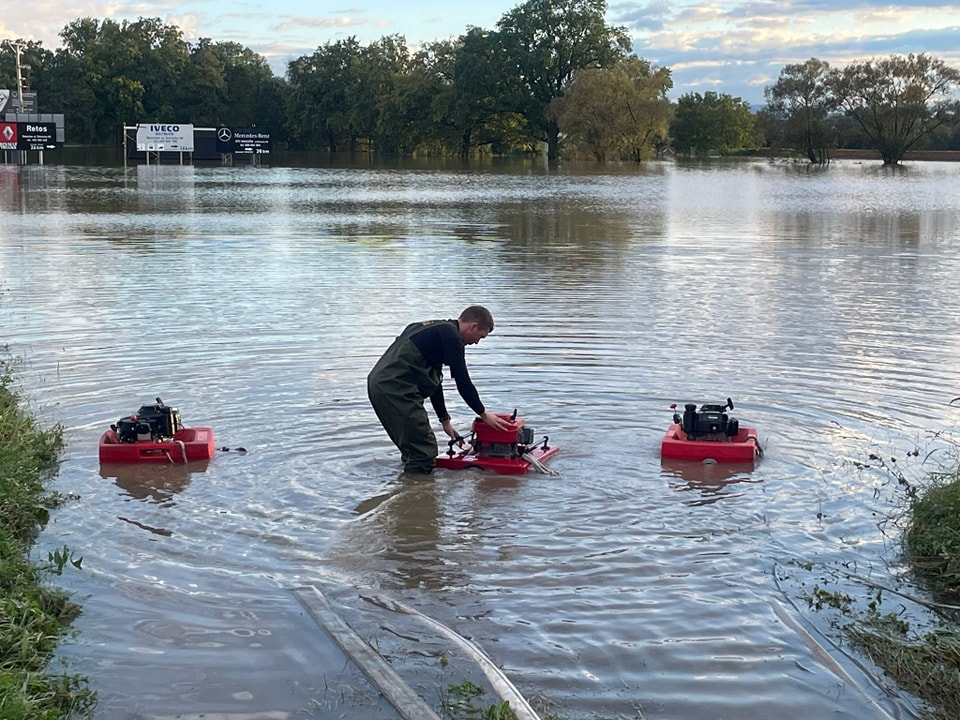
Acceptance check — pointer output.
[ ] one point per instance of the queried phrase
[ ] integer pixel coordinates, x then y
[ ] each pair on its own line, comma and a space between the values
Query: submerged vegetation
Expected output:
927, 663
913, 639
32, 615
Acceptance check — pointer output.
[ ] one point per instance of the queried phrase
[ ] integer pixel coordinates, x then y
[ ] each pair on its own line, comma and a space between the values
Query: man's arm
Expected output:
470, 395
439, 405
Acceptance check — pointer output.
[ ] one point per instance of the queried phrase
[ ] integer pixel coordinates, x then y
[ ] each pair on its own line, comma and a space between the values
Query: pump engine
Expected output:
150, 423
710, 422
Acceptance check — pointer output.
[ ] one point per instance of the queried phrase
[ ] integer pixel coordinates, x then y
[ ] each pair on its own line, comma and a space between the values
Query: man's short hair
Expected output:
480, 315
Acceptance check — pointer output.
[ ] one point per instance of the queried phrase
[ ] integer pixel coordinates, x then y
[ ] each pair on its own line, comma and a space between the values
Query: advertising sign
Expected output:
10, 101
36, 136
244, 141
8, 136
164, 138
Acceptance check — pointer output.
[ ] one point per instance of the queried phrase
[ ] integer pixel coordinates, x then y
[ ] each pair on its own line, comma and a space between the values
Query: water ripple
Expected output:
256, 302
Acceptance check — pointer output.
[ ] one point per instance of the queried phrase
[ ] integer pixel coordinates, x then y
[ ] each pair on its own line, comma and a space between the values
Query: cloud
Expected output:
635, 17
739, 47
732, 47
349, 18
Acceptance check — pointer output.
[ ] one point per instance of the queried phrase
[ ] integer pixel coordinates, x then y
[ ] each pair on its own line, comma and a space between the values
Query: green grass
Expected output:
927, 665
932, 539
32, 614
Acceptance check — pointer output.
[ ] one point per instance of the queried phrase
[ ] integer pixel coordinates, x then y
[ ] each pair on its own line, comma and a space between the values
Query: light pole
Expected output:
18, 47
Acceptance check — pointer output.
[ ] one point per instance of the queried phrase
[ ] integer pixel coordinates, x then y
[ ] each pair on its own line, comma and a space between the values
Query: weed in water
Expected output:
924, 662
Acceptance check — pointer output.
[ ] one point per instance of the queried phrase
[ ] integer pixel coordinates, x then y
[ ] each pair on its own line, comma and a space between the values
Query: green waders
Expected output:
397, 387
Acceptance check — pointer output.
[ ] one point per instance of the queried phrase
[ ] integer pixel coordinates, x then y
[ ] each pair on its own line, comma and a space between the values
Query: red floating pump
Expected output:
155, 434
709, 434
509, 452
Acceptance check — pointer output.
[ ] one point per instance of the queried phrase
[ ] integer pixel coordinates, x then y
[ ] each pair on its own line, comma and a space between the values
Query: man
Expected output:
411, 371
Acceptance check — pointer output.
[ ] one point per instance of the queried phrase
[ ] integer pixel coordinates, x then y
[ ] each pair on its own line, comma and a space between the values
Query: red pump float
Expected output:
507, 452
155, 434
709, 434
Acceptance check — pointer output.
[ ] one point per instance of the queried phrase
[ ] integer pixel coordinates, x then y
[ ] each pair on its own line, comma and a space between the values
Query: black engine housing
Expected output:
711, 422
151, 422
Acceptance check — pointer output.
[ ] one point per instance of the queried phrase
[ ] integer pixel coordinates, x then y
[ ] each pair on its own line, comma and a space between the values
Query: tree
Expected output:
204, 88
225, 83
547, 41
339, 94
616, 112
115, 73
712, 123
484, 93
96, 96
898, 100
422, 97
382, 63
802, 100
456, 97
323, 86
159, 56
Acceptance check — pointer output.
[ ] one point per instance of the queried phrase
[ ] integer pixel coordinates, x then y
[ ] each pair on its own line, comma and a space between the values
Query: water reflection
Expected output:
9, 187
418, 534
404, 532
152, 482
710, 481
271, 292
155, 484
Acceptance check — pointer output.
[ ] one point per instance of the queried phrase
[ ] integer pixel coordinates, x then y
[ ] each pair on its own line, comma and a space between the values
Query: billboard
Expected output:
10, 101
36, 136
243, 141
164, 138
29, 136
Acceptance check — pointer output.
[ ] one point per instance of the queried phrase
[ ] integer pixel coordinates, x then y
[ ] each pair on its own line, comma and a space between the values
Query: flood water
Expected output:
255, 300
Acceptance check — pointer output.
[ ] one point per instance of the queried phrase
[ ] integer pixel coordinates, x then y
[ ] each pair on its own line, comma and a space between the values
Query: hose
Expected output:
374, 667
183, 450
500, 682
537, 465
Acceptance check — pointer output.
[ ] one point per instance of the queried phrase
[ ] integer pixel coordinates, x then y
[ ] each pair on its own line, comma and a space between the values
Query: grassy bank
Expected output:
926, 662
933, 537
913, 636
32, 614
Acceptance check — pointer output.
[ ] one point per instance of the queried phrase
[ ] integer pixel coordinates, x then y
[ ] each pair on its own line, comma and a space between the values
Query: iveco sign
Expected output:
164, 138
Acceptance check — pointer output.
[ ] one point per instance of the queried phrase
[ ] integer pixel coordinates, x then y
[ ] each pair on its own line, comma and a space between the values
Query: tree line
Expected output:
552, 77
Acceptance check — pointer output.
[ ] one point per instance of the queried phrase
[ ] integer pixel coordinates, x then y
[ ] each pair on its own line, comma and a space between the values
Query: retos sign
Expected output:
28, 136
36, 136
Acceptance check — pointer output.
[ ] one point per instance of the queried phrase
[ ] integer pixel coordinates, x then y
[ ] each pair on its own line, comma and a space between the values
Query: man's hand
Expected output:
450, 430
494, 420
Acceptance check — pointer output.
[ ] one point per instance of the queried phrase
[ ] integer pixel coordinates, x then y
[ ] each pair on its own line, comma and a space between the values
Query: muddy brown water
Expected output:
825, 303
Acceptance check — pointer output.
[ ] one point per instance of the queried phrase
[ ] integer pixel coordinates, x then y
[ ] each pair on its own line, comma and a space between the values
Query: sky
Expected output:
737, 48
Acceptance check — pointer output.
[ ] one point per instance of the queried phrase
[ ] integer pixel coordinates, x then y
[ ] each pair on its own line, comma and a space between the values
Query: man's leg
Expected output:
419, 448
405, 419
